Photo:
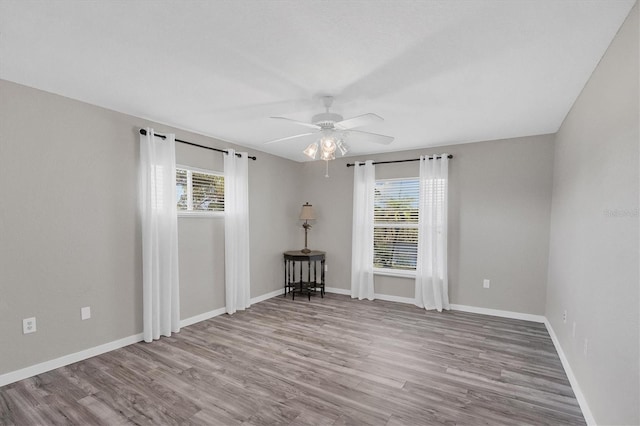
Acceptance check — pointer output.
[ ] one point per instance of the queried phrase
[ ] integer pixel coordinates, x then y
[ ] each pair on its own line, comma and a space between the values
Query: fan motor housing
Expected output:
326, 119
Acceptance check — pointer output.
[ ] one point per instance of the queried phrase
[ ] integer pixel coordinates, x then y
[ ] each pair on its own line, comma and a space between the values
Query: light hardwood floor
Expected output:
330, 361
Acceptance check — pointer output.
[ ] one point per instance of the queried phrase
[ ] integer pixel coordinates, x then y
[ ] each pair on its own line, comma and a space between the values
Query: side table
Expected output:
300, 282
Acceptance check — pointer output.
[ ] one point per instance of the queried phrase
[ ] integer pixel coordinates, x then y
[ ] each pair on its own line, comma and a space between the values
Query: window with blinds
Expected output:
395, 232
199, 192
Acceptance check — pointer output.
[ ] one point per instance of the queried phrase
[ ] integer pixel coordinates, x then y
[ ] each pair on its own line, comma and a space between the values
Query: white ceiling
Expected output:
439, 72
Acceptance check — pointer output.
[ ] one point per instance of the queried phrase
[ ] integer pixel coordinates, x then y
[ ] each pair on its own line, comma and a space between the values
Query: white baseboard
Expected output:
43, 367
463, 308
267, 296
582, 401
499, 313
337, 290
379, 296
208, 315
202, 317
390, 298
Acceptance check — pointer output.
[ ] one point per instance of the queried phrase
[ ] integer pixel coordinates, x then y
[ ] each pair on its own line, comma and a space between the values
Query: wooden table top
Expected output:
300, 253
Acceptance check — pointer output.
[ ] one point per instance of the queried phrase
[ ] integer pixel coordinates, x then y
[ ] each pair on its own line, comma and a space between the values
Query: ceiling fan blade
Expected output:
370, 137
289, 138
359, 121
301, 123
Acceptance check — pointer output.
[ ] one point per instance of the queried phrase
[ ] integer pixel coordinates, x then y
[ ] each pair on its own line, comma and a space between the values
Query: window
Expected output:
395, 232
199, 192
395, 229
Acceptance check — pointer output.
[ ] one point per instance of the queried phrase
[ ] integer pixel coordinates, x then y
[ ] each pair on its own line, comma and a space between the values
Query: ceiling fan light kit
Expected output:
329, 142
333, 129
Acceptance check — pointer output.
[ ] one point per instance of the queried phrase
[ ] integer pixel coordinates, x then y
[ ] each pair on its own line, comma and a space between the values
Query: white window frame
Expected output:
196, 213
402, 273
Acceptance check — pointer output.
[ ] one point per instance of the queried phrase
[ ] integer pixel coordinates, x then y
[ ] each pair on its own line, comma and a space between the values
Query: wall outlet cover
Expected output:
29, 325
85, 313
486, 283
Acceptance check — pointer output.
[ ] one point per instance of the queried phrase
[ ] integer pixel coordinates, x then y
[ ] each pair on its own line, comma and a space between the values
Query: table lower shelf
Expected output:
304, 287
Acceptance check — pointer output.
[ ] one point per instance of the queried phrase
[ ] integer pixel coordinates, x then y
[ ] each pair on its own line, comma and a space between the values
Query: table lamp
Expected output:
307, 214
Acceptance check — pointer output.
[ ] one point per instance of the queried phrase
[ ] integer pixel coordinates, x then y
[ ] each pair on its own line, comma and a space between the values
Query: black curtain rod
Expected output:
397, 161
144, 132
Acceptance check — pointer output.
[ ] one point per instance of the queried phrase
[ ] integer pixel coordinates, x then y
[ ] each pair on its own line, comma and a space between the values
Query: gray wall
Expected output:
593, 256
499, 205
273, 186
200, 241
69, 229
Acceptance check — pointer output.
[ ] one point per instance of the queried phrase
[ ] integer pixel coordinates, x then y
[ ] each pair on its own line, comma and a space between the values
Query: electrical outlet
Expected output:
85, 313
564, 316
29, 325
586, 346
486, 283
326, 267
573, 331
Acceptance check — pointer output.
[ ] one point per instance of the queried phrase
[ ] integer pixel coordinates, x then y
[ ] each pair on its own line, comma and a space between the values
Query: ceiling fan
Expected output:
333, 129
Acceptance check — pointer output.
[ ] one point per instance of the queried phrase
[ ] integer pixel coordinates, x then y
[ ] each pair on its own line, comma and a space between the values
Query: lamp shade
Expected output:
307, 212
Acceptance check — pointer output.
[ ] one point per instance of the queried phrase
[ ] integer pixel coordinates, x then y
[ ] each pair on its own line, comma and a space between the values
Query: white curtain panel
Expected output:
236, 231
364, 183
432, 288
160, 287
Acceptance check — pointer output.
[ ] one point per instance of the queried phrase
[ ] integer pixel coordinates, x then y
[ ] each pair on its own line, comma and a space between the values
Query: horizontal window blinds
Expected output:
199, 191
395, 233
208, 192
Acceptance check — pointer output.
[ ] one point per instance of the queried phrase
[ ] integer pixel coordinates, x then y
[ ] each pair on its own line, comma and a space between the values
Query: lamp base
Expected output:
306, 227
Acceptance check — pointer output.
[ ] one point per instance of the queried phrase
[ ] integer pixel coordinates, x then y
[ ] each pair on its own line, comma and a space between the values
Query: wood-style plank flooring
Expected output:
331, 361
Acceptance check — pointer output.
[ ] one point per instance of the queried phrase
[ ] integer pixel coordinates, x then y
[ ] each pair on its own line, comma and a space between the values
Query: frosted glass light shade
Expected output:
328, 155
311, 150
342, 147
328, 144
